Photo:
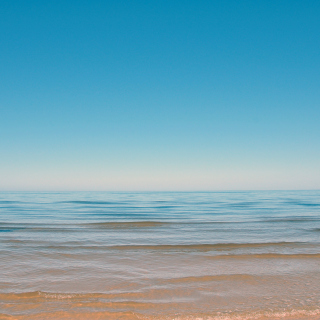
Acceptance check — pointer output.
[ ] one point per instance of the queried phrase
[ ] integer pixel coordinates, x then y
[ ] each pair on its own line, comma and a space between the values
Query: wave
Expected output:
67, 315
36, 228
223, 247
292, 219
209, 278
10, 227
106, 315
47, 306
208, 247
243, 204
304, 204
10, 202
92, 202
122, 204
127, 224
78, 227
268, 256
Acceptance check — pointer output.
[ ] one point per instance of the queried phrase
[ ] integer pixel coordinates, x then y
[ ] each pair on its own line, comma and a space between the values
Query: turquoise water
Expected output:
160, 255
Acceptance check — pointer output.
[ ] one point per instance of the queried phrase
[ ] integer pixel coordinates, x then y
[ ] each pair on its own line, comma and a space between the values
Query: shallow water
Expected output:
103, 255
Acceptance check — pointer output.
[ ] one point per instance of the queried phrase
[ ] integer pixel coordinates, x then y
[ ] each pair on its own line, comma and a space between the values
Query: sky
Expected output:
161, 95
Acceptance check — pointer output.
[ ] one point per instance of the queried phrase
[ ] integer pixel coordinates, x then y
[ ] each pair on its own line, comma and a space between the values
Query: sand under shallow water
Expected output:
246, 255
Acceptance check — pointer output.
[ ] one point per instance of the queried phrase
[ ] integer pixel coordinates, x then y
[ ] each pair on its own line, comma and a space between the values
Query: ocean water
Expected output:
160, 255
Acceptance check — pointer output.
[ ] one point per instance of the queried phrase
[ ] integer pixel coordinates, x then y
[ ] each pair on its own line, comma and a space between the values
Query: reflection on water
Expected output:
100, 255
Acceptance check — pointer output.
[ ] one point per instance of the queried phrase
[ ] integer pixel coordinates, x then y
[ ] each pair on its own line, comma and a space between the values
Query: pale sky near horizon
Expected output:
159, 95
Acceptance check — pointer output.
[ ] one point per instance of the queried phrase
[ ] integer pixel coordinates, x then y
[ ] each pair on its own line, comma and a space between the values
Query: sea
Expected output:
160, 255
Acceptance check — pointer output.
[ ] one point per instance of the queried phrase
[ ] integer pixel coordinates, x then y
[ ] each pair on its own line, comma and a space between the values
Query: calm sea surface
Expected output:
103, 255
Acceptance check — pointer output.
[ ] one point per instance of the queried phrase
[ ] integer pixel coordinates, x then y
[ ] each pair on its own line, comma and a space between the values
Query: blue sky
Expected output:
159, 95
